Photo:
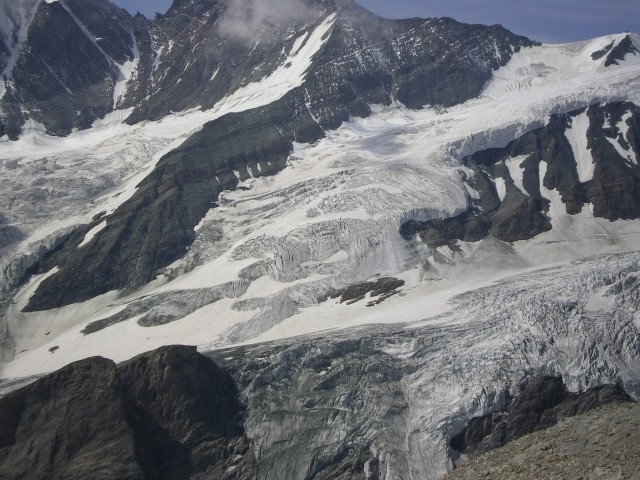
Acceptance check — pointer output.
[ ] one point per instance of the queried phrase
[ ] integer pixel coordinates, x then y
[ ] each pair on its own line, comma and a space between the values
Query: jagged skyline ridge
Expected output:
545, 21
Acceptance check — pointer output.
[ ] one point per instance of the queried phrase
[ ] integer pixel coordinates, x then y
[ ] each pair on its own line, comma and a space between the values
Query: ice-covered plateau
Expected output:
472, 318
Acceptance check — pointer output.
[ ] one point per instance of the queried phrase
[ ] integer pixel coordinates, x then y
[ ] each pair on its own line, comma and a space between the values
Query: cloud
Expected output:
248, 20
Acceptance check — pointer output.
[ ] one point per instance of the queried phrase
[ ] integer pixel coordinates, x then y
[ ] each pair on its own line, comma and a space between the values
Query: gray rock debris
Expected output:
603, 444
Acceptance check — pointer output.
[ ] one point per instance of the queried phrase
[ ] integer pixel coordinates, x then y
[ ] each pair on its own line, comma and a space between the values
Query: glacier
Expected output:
277, 236
467, 325
407, 389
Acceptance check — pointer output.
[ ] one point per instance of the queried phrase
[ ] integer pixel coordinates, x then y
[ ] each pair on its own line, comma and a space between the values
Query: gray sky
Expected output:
543, 20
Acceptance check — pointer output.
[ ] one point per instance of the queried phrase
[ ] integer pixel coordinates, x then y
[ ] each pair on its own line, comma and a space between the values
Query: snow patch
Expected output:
623, 125
473, 193
557, 209
624, 150
92, 233
516, 171
627, 154
298, 43
127, 72
501, 188
577, 136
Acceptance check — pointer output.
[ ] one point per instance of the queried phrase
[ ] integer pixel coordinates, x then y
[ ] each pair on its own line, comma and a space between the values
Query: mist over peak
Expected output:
248, 20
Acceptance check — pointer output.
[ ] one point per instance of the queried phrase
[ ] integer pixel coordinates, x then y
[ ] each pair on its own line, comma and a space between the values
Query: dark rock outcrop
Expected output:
440, 232
520, 219
603, 443
541, 404
616, 52
598, 54
383, 288
620, 51
168, 414
613, 192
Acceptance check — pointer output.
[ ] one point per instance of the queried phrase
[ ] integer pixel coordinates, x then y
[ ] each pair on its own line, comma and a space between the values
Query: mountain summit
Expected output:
69, 63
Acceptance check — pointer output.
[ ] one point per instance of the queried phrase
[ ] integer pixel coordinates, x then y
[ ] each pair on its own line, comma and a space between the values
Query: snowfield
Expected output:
265, 260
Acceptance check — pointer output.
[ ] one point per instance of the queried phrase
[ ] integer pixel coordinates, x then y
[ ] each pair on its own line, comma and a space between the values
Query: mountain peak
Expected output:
619, 52
617, 49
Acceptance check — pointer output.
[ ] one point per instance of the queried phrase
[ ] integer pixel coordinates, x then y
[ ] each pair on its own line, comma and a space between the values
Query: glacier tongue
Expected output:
405, 391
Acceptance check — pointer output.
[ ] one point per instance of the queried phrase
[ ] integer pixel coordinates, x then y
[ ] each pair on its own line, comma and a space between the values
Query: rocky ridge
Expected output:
512, 187
598, 445
198, 52
168, 414
542, 403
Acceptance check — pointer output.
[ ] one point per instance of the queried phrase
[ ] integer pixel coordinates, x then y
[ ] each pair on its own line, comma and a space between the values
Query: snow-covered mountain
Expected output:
453, 205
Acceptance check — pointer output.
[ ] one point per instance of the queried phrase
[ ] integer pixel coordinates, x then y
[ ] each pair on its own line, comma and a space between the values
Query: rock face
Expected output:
212, 53
169, 414
616, 52
66, 65
620, 51
514, 187
599, 445
542, 403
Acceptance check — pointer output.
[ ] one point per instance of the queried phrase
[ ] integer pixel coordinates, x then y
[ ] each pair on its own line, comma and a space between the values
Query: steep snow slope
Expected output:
266, 259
